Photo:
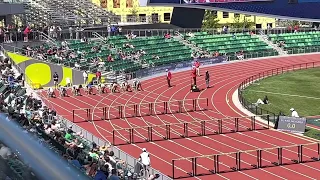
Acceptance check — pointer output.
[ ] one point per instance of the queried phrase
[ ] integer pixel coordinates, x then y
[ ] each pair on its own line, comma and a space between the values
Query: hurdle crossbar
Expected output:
150, 106
238, 158
185, 134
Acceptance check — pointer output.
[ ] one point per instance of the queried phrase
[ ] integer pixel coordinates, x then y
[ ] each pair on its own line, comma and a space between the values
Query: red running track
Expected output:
225, 78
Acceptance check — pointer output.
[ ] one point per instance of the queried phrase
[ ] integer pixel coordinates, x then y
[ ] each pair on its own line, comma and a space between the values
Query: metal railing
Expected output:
265, 74
77, 34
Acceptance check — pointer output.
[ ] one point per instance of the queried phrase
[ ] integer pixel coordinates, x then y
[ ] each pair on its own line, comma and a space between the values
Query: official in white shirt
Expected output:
85, 77
294, 113
145, 158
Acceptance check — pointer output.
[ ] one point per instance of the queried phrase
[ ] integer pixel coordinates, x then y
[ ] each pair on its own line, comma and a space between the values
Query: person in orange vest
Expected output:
169, 76
194, 75
197, 65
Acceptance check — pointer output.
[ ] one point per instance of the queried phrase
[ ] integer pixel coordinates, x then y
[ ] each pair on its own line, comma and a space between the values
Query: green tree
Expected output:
210, 20
242, 24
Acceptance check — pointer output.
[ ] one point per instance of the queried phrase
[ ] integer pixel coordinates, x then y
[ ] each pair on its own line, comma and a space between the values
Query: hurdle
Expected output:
87, 112
238, 158
189, 129
153, 108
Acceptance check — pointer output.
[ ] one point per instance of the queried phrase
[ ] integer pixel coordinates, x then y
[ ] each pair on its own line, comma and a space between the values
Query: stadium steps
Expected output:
67, 12
179, 37
265, 39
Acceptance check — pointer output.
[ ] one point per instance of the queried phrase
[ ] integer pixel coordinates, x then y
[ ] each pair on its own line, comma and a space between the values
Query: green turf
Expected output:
299, 89
313, 133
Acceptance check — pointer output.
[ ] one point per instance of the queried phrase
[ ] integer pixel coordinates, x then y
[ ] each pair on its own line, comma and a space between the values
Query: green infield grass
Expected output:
298, 89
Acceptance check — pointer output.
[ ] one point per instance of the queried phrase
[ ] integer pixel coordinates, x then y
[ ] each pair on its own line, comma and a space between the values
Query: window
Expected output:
103, 3
225, 15
166, 16
155, 17
142, 18
269, 25
258, 26
248, 15
213, 12
116, 3
131, 18
236, 15
129, 3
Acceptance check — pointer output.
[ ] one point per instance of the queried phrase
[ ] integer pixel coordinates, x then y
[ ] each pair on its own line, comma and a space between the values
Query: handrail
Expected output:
97, 35
47, 38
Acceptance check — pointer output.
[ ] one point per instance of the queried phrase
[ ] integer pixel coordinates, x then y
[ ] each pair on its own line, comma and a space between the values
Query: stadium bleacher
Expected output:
296, 41
231, 43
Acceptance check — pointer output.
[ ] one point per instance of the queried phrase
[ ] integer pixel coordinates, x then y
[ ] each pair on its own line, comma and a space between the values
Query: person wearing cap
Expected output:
145, 158
169, 76
294, 113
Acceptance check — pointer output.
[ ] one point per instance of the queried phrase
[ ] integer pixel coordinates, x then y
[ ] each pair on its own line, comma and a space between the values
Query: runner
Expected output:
50, 93
63, 91
102, 88
76, 90
125, 86
137, 85
89, 88
114, 87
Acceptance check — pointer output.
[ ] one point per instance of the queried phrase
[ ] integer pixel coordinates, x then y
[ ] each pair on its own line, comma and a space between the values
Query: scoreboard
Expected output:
223, 1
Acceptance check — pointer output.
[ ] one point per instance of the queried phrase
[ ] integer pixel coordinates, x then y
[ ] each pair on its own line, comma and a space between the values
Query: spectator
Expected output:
207, 78
145, 159
264, 101
294, 113
5, 152
169, 76
26, 33
114, 175
102, 174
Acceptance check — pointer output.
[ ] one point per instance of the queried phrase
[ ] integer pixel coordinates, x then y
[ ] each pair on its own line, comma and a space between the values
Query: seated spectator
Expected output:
264, 101
240, 55
102, 174
110, 59
5, 152
167, 36
114, 175
190, 34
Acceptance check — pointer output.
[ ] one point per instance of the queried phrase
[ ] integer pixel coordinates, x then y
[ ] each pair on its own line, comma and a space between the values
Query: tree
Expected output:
210, 20
245, 24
